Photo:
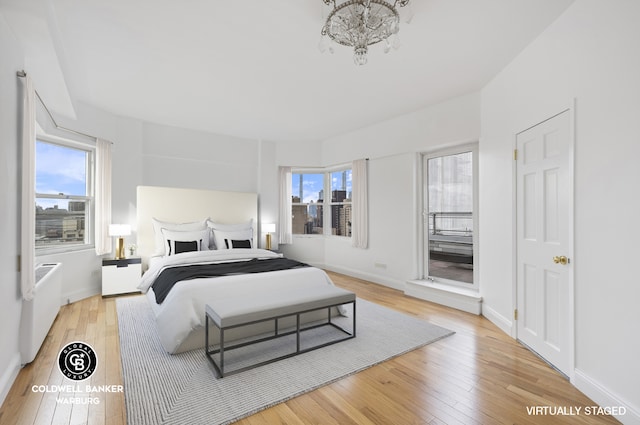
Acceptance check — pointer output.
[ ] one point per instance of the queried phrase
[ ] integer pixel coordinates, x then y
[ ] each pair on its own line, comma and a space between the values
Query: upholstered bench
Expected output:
229, 313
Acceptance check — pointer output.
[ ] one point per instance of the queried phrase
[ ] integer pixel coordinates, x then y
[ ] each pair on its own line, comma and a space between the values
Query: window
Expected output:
64, 190
308, 201
450, 198
307, 193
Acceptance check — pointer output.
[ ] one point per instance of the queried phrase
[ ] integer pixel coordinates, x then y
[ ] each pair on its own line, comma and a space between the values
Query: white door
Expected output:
544, 223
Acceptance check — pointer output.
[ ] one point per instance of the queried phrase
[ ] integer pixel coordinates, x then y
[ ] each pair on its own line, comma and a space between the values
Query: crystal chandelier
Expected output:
361, 23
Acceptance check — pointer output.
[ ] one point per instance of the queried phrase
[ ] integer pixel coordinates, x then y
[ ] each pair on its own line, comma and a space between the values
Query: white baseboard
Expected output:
450, 296
71, 297
9, 376
605, 398
499, 320
391, 283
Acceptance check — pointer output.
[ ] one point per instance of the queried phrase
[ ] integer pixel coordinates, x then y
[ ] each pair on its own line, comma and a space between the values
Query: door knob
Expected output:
561, 259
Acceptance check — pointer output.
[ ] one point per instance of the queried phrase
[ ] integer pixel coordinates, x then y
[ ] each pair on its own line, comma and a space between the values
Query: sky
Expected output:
312, 184
59, 170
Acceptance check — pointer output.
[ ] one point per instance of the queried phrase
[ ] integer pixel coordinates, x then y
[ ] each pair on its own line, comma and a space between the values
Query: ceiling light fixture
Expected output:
361, 23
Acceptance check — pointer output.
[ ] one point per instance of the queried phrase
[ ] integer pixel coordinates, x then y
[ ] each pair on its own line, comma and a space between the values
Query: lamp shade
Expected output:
268, 227
119, 230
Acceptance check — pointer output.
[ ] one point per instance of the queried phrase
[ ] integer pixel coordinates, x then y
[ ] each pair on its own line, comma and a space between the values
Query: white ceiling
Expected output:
252, 68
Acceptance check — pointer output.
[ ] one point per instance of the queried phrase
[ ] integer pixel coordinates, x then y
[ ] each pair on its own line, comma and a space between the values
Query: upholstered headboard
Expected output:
187, 205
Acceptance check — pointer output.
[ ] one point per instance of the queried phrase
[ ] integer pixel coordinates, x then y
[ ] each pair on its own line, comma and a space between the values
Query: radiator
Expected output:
39, 313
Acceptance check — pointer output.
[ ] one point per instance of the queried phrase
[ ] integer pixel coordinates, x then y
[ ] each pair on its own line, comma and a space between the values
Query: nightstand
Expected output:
121, 276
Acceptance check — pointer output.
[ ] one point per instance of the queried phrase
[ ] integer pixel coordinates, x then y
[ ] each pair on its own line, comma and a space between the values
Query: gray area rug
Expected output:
161, 388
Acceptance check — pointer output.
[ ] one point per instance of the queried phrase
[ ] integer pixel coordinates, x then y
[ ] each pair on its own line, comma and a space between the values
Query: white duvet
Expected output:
180, 317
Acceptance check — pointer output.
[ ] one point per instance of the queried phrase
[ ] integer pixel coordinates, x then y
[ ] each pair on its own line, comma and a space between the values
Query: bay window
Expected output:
321, 202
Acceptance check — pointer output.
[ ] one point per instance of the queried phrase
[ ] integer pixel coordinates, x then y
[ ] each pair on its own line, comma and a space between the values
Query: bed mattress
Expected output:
181, 316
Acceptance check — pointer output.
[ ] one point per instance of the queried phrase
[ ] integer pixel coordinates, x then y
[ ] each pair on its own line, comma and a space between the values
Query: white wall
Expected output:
451, 122
393, 147
174, 157
267, 188
392, 253
591, 54
10, 299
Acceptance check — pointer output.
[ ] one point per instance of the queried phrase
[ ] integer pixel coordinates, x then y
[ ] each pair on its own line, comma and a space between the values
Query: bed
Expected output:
183, 232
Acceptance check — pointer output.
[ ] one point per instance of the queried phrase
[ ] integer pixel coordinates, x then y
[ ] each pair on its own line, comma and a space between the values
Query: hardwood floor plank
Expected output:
279, 415
114, 403
96, 412
479, 375
336, 405
310, 412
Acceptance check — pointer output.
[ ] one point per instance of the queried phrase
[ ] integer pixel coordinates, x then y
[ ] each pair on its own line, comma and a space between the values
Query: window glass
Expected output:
450, 214
307, 198
341, 203
63, 199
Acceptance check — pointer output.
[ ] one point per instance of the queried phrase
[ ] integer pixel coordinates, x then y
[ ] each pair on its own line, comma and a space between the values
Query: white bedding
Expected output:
180, 317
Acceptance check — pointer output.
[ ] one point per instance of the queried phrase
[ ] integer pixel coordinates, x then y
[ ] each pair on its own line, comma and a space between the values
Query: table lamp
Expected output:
268, 228
119, 230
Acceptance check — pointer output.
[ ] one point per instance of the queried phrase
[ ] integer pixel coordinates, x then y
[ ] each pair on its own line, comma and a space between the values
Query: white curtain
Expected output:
103, 196
360, 211
28, 201
284, 217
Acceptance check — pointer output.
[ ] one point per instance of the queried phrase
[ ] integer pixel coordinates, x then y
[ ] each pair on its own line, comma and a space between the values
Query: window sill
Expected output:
345, 238
41, 252
456, 297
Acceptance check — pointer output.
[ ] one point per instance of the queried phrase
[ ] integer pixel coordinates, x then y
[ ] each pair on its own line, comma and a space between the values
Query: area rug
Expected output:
161, 388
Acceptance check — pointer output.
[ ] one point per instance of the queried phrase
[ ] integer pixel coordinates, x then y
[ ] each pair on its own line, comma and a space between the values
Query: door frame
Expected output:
571, 108
423, 248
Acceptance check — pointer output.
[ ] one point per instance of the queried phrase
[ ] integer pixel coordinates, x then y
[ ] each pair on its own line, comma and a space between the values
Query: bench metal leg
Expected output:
354, 320
298, 333
206, 334
221, 352
209, 353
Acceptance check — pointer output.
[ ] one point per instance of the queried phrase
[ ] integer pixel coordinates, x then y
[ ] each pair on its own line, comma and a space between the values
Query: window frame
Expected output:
423, 260
89, 198
303, 171
327, 204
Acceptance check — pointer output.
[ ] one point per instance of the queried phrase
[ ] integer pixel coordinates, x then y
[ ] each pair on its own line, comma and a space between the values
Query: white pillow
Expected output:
220, 237
247, 225
158, 225
230, 227
177, 241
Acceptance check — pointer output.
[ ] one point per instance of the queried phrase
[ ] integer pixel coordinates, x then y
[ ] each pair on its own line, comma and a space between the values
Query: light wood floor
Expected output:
477, 376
